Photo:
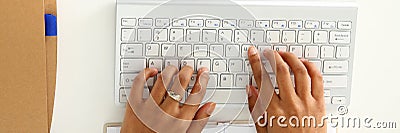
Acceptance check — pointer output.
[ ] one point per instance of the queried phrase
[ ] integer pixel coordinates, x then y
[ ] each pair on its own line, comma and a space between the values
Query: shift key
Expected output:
133, 65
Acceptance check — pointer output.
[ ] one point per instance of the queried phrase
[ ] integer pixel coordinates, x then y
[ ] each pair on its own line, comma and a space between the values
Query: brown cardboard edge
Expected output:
51, 62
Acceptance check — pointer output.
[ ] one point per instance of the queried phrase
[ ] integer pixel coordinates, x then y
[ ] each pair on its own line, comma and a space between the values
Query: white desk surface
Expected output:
84, 96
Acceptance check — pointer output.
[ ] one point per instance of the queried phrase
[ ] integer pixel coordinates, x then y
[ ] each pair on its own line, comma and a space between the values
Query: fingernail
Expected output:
252, 51
210, 109
303, 60
248, 91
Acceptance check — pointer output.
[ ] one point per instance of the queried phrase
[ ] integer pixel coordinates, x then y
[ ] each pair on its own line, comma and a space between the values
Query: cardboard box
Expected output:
27, 67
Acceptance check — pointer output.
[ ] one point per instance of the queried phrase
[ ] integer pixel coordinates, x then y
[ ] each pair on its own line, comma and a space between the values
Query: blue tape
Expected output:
50, 25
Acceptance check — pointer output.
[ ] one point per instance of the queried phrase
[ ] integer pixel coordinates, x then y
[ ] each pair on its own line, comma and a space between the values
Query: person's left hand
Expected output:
161, 112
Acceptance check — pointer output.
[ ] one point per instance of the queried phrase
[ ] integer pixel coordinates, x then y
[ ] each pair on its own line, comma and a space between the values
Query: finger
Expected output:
286, 90
138, 83
302, 81
196, 95
255, 63
162, 83
252, 96
201, 118
179, 86
317, 84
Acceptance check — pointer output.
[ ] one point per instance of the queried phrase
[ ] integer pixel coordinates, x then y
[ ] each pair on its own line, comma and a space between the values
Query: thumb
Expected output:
201, 118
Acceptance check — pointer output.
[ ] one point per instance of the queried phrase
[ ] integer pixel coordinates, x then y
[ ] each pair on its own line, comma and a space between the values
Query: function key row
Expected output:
233, 23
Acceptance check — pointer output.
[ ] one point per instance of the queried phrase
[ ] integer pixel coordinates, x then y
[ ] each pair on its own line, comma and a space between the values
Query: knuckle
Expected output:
300, 70
282, 68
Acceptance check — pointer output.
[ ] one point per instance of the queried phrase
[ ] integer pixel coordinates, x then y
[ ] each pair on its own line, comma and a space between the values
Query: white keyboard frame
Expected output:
301, 10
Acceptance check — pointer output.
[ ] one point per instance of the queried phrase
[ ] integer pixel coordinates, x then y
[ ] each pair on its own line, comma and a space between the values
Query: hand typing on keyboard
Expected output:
163, 110
303, 98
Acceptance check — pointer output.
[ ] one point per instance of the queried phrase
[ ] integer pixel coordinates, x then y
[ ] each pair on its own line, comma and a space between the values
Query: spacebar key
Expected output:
133, 65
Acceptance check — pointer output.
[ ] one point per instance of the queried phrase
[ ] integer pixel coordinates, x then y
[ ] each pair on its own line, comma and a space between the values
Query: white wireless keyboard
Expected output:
324, 35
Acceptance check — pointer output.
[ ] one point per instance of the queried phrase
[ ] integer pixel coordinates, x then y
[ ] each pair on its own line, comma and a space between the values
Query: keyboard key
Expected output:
128, 22
261, 48
196, 23
213, 81
132, 50
145, 22
257, 36
133, 65
160, 35
280, 48
273, 36
193, 35
162, 22
327, 51
213, 23
219, 65
241, 36
235, 65
341, 37
127, 79
200, 50
203, 63
311, 52
152, 49
288, 36
172, 62
317, 64
229, 23
216, 50
297, 50
336, 67
279, 24
246, 23
327, 93
328, 25
184, 50
209, 35
335, 81
245, 48
320, 37
176, 35
262, 24
342, 52
247, 66
327, 100
168, 50
179, 22
226, 80
223, 96
312, 25
225, 36
242, 80
187, 62
344, 25
232, 51
144, 35
304, 36
128, 34
338, 100
156, 63
296, 24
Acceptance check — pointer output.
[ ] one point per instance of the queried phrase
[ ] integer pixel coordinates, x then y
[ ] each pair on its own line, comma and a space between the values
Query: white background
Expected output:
85, 78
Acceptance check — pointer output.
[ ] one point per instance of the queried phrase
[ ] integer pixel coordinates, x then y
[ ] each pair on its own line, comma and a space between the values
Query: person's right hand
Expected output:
304, 98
